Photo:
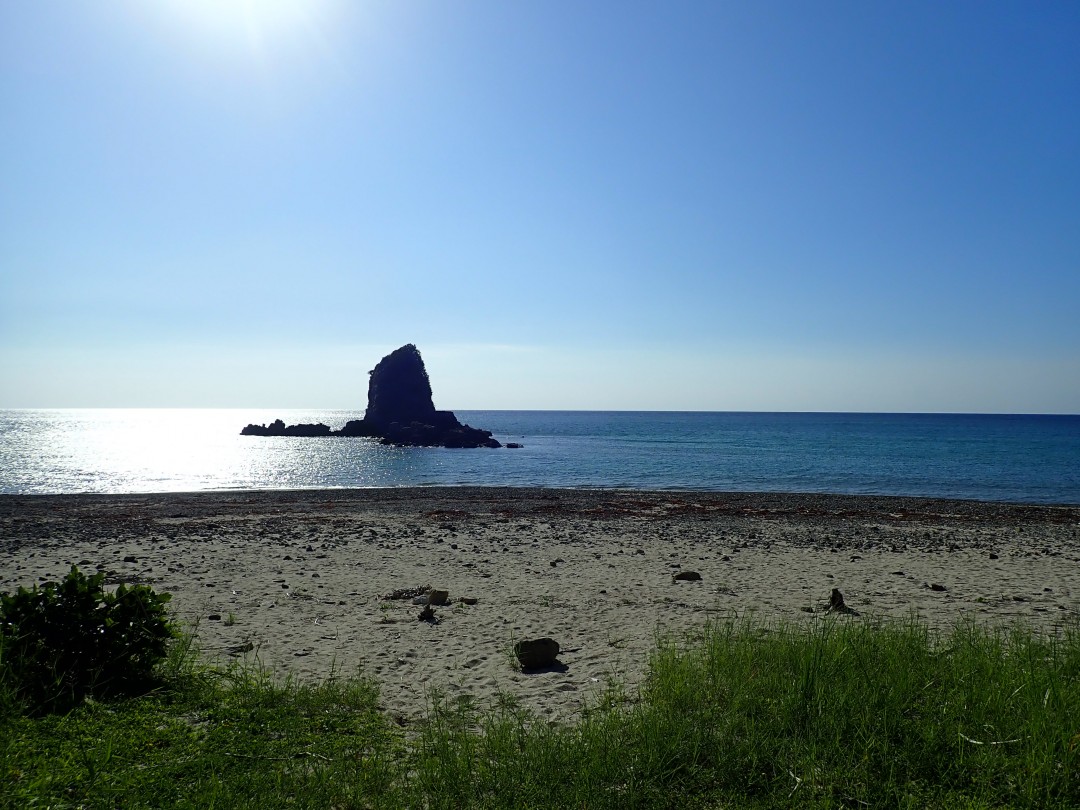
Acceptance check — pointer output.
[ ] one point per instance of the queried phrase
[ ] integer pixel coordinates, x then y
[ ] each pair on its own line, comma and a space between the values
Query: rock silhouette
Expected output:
279, 428
400, 411
399, 390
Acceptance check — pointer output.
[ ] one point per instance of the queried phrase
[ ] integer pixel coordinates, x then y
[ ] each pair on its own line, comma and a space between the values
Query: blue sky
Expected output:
706, 206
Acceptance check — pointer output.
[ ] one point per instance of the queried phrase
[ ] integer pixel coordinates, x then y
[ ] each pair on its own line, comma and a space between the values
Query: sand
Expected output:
296, 581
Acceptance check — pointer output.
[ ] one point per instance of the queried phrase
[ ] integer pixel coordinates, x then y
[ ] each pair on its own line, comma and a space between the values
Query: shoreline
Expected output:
774, 499
296, 578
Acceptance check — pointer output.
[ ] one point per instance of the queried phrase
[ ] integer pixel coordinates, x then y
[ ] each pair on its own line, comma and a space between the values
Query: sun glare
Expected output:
258, 25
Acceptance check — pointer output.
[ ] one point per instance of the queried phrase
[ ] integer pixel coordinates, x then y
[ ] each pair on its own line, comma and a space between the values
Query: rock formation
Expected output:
400, 411
279, 428
399, 390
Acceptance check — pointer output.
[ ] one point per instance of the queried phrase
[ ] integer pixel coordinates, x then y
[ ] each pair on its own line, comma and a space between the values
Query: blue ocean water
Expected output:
1034, 459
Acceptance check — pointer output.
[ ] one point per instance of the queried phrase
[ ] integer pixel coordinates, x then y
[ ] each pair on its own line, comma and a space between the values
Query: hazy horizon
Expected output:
271, 411
762, 207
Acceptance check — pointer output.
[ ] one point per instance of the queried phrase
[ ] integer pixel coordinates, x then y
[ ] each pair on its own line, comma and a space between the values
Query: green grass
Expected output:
841, 714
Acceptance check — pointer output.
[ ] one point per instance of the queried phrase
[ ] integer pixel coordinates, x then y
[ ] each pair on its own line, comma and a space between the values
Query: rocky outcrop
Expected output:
399, 391
279, 428
400, 411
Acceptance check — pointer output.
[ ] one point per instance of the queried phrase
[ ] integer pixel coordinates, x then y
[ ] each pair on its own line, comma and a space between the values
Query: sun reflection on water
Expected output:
179, 450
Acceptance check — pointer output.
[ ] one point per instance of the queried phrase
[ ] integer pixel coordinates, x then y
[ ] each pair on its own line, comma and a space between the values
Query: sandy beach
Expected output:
298, 581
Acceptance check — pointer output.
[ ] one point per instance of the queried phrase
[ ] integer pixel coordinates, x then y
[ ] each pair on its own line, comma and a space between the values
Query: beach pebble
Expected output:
686, 576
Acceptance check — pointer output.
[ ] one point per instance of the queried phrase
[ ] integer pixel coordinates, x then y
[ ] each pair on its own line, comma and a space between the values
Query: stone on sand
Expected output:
536, 653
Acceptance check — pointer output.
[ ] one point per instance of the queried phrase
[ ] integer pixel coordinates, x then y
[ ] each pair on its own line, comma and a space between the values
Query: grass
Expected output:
840, 714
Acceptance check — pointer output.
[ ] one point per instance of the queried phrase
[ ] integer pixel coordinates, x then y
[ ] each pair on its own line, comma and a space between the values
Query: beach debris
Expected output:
408, 593
837, 605
240, 649
428, 615
537, 653
432, 596
686, 576
468, 600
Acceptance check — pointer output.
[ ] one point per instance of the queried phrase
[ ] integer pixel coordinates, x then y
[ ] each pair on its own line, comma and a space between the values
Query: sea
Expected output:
1016, 458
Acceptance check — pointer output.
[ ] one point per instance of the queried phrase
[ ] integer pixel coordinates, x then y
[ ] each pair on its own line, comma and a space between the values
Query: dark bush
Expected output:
63, 641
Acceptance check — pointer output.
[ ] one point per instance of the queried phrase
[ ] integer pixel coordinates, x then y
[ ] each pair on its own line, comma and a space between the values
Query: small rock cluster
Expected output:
428, 598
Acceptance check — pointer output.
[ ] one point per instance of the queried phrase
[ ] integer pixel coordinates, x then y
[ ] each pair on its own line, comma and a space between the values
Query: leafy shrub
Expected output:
63, 641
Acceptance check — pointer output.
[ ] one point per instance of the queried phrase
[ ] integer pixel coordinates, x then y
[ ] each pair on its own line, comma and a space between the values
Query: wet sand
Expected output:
297, 581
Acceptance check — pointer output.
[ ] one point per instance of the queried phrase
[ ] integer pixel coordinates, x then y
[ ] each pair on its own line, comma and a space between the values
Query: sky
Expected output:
761, 205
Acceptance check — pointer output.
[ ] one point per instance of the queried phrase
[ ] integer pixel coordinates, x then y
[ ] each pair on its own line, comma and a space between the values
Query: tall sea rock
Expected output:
399, 390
